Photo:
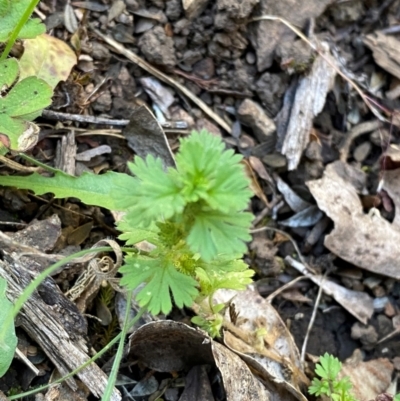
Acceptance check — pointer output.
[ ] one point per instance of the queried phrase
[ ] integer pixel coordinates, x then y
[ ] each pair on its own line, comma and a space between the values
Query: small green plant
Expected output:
330, 385
192, 215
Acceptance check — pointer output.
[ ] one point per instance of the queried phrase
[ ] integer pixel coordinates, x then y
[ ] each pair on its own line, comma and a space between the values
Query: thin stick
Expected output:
310, 325
56, 115
284, 287
163, 77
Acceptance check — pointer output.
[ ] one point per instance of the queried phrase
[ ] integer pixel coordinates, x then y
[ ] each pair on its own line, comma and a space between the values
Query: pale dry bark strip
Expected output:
46, 324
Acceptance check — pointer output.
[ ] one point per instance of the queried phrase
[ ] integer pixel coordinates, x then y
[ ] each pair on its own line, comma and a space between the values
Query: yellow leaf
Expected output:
48, 58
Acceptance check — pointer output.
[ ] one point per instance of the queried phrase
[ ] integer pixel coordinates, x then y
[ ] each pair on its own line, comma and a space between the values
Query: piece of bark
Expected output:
309, 101
385, 49
65, 154
57, 328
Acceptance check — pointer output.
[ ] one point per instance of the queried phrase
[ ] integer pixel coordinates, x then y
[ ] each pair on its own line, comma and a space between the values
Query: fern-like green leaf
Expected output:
161, 280
157, 195
328, 367
132, 235
211, 173
216, 233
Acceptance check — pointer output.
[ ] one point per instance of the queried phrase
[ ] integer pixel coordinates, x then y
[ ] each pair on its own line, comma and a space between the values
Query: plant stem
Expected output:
114, 370
14, 34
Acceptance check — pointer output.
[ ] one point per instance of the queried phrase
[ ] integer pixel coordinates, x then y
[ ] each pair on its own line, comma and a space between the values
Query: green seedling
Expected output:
330, 385
192, 216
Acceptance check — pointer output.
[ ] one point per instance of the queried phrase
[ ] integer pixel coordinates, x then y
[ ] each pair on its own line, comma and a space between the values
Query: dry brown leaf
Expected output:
262, 339
366, 240
368, 378
358, 303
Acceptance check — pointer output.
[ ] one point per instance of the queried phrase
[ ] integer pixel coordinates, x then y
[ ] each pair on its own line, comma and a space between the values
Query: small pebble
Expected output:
380, 303
362, 151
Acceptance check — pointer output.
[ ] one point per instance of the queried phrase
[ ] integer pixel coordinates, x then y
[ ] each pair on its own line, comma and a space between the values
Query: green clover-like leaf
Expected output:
8, 72
11, 12
24, 102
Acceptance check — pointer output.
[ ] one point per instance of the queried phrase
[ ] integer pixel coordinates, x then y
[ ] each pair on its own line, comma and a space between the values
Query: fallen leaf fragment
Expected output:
358, 303
167, 346
385, 49
263, 341
391, 184
368, 378
366, 240
48, 58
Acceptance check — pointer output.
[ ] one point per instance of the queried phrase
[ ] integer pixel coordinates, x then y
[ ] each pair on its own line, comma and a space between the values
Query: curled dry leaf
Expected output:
295, 202
366, 240
260, 338
167, 346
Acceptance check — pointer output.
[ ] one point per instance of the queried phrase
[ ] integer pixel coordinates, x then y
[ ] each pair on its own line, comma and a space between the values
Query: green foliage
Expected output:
91, 189
23, 101
328, 370
191, 217
11, 12
9, 339
21, 104
206, 194
396, 397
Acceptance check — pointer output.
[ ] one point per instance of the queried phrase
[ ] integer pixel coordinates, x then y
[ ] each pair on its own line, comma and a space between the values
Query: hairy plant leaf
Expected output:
216, 233
132, 235
157, 195
99, 190
11, 12
161, 280
211, 173
7, 348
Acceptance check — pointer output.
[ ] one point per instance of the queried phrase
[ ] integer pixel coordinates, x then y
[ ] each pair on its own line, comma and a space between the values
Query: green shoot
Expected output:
328, 370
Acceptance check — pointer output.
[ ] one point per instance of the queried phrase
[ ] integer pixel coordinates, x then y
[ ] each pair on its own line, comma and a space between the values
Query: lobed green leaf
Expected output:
160, 279
215, 232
